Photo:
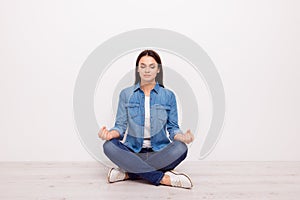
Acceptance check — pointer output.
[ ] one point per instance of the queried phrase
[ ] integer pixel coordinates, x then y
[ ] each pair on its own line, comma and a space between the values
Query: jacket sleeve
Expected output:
121, 117
172, 121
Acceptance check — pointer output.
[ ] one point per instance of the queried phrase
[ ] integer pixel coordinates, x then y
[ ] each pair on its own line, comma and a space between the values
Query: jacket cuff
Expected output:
172, 135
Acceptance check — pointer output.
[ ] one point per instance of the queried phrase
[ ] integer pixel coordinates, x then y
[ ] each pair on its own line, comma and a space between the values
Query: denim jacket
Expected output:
131, 117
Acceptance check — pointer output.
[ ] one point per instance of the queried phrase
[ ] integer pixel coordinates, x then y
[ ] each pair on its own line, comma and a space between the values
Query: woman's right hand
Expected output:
104, 134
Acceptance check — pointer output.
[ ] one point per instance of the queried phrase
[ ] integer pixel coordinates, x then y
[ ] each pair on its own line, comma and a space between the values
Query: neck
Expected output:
147, 87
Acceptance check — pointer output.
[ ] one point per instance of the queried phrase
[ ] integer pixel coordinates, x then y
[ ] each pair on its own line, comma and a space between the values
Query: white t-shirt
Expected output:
147, 142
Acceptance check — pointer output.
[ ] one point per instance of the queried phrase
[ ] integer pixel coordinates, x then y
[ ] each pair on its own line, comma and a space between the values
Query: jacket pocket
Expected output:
133, 109
161, 112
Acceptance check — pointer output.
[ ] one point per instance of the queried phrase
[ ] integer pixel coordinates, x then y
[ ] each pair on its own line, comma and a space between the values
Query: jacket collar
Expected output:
138, 86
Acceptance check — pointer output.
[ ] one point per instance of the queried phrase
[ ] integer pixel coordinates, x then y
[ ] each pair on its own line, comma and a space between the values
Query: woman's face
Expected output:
148, 69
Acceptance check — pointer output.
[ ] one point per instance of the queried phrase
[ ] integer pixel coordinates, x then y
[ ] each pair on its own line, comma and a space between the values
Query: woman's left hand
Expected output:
187, 137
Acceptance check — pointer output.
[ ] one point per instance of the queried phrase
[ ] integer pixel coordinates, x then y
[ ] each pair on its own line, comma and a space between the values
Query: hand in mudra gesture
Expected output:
186, 137
104, 134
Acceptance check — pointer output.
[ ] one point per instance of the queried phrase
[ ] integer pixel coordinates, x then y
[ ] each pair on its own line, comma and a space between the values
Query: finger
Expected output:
101, 131
188, 138
107, 136
191, 140
189, 132
184, 138
106, 131
102, 135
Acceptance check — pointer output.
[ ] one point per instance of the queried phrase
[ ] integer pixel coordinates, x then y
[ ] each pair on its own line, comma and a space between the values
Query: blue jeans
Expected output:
147, 164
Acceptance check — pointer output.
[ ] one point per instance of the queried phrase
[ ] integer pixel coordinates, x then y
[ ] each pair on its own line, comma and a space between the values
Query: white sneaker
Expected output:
179, 179
115, 175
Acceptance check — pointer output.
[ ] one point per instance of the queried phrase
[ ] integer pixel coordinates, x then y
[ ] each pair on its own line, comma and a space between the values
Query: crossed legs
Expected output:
150, 166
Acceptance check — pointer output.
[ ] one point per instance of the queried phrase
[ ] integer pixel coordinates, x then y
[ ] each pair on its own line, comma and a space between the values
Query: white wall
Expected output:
254, 44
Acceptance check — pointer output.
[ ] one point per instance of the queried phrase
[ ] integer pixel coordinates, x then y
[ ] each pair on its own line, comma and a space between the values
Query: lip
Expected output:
147, 75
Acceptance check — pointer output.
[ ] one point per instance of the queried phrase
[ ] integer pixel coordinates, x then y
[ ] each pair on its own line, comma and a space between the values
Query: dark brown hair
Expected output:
153, 54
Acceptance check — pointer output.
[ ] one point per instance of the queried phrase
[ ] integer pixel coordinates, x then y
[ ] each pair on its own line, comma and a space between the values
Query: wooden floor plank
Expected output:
211, 179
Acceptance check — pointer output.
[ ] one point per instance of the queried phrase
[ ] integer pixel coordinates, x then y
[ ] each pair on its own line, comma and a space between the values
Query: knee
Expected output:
181, 146
109, 147
181, 149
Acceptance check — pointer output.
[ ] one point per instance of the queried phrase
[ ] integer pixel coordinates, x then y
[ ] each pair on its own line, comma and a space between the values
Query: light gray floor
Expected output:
212, 180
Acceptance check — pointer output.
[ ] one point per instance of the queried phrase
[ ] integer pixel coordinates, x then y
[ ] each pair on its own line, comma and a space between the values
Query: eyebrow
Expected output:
149, 65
